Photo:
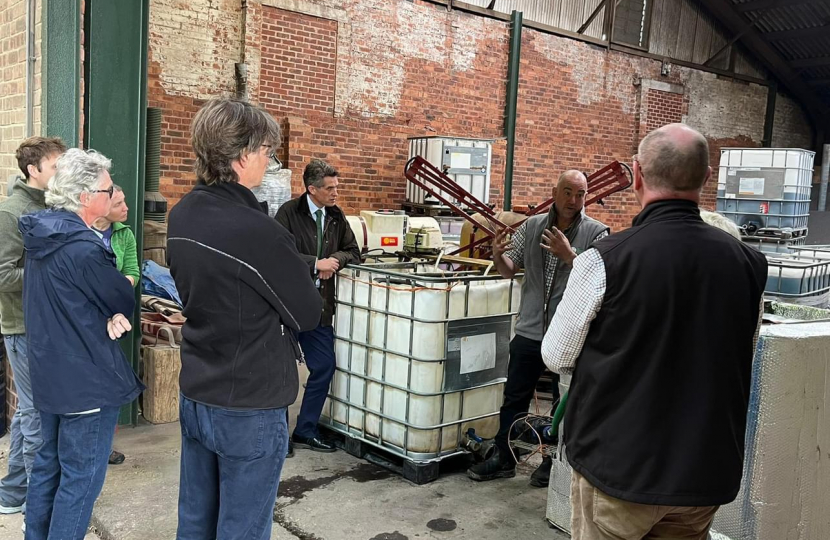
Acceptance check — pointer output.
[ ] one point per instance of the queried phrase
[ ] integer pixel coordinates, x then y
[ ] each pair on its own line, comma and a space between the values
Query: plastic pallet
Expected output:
417, 472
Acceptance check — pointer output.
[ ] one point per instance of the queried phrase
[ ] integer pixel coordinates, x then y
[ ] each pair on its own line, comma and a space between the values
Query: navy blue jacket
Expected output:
71, 288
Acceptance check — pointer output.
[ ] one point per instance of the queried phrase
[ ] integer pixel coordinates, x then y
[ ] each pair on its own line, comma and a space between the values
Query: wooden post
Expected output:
162, 364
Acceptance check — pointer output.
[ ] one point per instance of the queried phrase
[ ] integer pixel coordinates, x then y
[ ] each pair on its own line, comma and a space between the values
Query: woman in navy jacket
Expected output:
76, 305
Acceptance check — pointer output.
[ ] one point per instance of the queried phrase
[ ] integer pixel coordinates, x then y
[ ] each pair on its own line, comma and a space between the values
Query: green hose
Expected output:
559, 413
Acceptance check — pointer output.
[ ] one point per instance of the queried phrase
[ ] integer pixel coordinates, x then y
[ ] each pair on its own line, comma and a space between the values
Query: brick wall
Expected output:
667, 106
298, 59
365, 140
350, 80
13, 83
192, 54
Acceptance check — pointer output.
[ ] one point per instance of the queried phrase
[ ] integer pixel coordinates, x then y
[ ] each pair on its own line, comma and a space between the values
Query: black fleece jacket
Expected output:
246, 294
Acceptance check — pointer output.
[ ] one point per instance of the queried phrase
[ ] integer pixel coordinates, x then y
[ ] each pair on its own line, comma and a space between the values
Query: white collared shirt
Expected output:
313, 209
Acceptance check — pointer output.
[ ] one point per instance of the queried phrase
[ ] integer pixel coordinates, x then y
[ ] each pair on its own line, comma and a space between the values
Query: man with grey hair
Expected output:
658, 327
246, 294
327, 244
545, 247
76, 305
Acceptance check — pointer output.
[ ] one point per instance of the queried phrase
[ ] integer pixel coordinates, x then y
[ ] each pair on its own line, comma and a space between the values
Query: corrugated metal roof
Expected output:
799, 31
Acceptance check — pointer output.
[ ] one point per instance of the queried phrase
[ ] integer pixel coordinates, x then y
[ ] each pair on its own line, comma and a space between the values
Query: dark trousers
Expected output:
523, 372
68, 473
230, 471
318, 348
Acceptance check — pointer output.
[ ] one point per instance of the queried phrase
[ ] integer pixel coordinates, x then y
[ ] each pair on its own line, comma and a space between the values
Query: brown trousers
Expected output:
597, 516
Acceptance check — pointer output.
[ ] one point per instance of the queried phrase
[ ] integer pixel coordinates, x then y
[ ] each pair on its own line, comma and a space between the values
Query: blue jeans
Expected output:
318, 348
69, 473
230, 471
25, 428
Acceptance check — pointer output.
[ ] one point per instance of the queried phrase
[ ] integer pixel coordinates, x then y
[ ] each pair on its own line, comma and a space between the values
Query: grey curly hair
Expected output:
78, 171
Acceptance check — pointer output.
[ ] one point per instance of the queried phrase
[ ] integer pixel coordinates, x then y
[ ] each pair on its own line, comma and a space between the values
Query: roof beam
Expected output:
593, 16
738, 35
799, 33
735, 22
763, 5
818, 61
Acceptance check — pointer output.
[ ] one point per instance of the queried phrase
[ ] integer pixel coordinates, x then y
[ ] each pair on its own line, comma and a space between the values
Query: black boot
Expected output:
116, 458
496, 466
541, 476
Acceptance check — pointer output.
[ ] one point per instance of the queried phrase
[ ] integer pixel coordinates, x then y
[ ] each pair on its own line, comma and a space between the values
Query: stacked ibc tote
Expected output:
766, 193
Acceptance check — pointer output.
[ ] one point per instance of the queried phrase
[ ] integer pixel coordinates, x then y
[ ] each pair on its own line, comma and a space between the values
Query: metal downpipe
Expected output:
512, 103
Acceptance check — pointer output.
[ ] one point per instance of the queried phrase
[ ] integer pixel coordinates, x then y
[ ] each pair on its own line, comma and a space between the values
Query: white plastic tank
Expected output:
766, 191
385, 230
465, 161
801, 278
421, 358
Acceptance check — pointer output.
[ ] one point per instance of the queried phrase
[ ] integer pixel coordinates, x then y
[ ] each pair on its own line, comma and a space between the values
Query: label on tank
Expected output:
464, 160
478, 353
751, 186
756, 184
478, 349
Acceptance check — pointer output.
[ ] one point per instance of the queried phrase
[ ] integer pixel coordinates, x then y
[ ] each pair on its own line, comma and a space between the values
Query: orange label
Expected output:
389, 240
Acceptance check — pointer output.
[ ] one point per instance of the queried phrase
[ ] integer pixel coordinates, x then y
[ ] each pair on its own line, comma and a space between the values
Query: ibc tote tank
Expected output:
421, 357
766, 191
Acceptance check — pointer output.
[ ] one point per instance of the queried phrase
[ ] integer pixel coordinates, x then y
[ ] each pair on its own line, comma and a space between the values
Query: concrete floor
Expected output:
322, 497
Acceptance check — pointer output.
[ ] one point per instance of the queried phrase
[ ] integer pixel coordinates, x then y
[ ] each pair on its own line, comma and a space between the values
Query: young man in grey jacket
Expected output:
544, 247
36, 157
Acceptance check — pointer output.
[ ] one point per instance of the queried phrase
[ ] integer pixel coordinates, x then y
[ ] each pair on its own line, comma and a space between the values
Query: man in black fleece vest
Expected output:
246, 293
658, 326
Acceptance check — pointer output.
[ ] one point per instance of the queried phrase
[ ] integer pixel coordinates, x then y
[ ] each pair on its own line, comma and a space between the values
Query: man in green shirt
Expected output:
36, 157
120, 239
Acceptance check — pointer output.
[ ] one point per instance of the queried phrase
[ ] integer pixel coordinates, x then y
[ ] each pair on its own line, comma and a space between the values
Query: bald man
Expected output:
658, 326
545, 247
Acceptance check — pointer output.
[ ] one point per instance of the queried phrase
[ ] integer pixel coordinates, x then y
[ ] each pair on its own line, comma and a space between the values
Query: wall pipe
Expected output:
825, 175
30, 67
512, 103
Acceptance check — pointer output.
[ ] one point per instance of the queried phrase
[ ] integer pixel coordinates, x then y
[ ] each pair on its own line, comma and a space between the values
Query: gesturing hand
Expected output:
501, 244
557, 244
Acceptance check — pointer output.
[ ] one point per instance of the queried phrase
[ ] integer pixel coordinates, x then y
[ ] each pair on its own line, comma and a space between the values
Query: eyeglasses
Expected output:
273, 161
109, 191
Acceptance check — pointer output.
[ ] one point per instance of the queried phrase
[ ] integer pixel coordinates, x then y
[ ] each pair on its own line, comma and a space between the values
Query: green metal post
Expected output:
115, 116
512, 103
62, 70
